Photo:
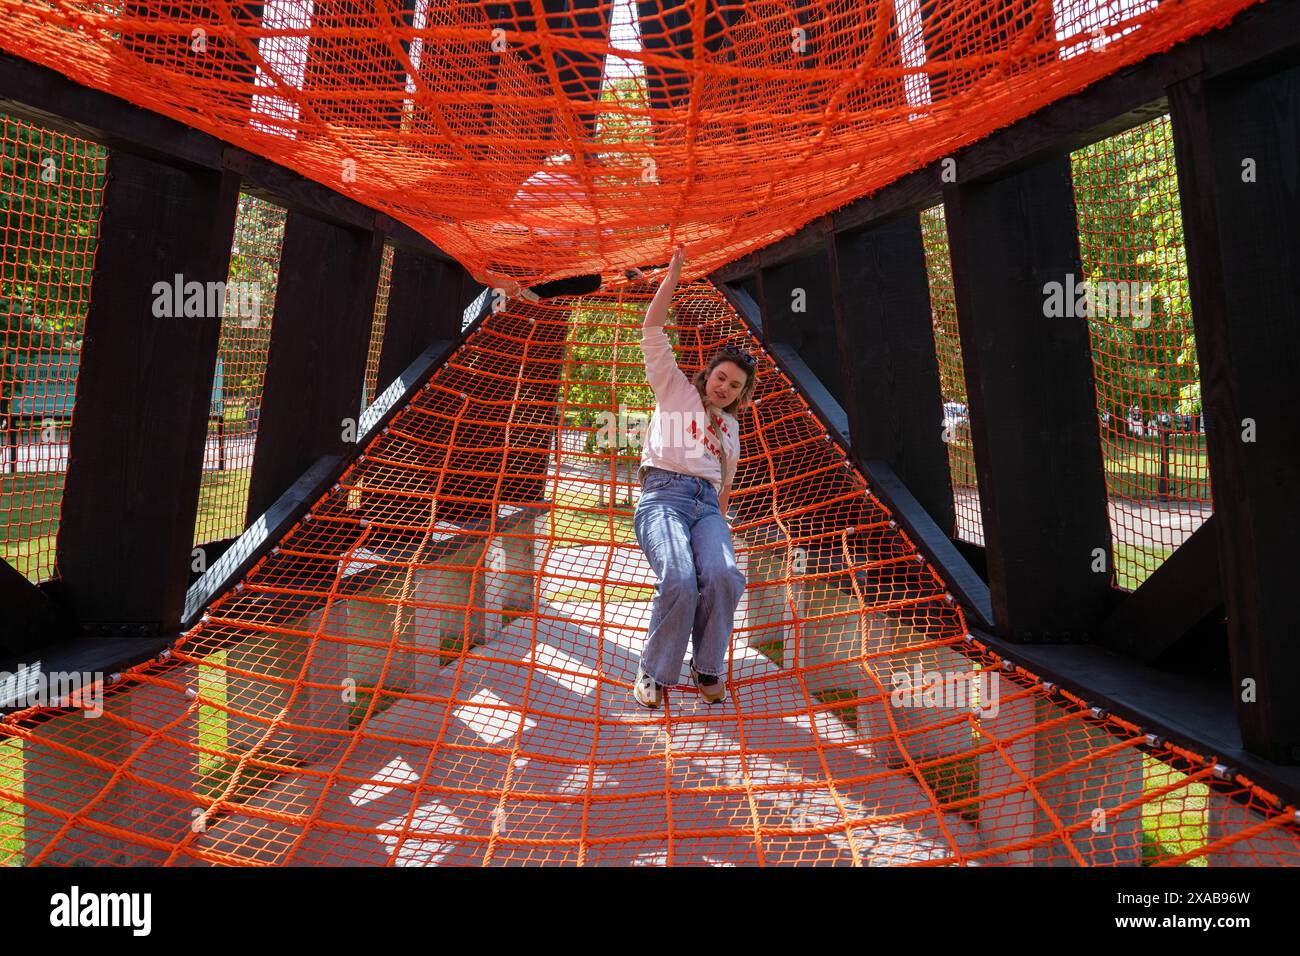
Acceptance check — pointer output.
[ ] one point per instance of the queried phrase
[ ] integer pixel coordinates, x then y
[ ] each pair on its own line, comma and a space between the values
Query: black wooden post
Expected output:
760, 298
317, 360
894, 406
1033, 413
207, 50
144, 393
1236, 141
425, 303
665, 28
336, 66
797, 311
578, 73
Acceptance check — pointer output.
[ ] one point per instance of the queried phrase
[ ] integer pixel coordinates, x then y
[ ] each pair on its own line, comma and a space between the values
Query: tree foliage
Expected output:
1131, 230
50, 188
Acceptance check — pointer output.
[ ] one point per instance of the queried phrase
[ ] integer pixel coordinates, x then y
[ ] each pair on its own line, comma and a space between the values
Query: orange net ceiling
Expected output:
434, 665
557, 137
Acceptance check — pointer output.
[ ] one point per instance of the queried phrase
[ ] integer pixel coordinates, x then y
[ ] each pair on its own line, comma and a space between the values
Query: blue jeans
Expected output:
680, 527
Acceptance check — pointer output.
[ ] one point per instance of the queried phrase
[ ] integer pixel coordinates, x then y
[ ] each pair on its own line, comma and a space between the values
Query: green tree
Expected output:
605, 378
50, 187
1130, 230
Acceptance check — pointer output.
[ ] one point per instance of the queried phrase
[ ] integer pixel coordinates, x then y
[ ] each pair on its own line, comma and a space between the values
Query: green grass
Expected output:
580, 515
223, 501
1132, 473
387, 698
1176, 822
11, 814
1135, 562
1132, 469
614, 594
773, 650
29, 503
1171, 825
954, 781
211, 719
832, 695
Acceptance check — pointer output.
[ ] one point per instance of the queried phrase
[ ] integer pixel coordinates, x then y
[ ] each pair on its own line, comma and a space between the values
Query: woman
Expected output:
688, 461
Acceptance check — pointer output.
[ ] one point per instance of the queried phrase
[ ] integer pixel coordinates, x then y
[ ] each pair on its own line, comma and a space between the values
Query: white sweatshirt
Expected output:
680, 436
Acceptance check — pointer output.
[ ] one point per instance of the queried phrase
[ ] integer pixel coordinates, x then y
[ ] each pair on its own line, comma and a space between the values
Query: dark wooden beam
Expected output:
144, 394
1189, 710
111, 654
41, 95
932, 539
665, 28
797, 312
741, 299
954, 31
1033, 415
425, 304
1266, 34
823, 400
887, 344
933, 542
760, 299
263, 534
28, 617
1236, 140
577, 74
152, 38
316, 363
1177, 597
843, 341
108, 654
336, 63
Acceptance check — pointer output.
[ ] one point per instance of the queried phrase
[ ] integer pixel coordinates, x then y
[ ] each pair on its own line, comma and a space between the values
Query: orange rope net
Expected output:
434, 665
555, 137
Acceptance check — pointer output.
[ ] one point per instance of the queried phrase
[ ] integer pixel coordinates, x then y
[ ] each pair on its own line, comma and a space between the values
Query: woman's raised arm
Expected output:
661, 369
657, 313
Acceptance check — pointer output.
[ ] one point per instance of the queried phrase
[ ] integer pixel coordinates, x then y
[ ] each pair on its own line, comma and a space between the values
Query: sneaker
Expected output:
712, 689
646, 690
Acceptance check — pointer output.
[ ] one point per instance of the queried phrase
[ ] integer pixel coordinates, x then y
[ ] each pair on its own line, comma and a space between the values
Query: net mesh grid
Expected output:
433, 667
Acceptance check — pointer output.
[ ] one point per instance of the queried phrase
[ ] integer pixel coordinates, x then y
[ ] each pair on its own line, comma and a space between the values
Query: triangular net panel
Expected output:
433, 667
541, 138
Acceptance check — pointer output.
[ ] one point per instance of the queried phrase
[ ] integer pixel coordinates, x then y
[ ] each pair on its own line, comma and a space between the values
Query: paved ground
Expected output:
542, 757
1137, 523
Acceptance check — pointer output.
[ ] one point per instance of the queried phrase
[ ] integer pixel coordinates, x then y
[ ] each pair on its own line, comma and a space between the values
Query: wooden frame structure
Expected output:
1232, 94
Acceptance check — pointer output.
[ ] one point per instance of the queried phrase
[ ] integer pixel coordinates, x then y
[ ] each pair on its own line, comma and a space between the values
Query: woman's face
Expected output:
724, 383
